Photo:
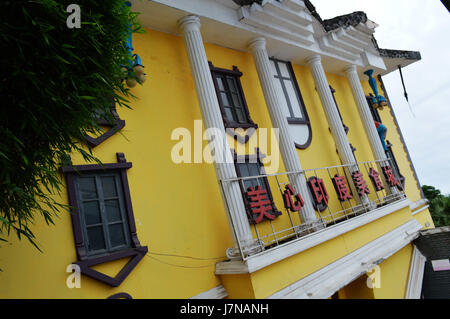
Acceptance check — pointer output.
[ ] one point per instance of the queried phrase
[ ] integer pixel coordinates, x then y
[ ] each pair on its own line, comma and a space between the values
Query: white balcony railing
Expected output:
275, 219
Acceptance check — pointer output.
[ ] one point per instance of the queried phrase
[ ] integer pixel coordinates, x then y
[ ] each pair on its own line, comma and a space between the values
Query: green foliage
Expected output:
439, 205
53, 80
430, 192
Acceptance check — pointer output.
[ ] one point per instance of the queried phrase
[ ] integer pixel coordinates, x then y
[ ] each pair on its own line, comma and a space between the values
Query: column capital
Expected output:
257, 43
189, 22
316, 58
351, 68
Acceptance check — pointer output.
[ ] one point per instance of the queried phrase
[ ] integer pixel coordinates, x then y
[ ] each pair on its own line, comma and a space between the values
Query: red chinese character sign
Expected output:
340, 185
289, 203
319, 193
360, 183
376, 180
390, 177
260, 206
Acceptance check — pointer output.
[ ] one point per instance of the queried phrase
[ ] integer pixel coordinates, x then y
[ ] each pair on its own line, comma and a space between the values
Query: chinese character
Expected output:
260, 205
390, 177
342, 190
289, 203
360, 183
319, 191
375, 177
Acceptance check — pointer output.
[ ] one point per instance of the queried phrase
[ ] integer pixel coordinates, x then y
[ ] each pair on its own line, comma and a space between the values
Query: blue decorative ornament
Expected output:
377, 100
381, 129
134, 63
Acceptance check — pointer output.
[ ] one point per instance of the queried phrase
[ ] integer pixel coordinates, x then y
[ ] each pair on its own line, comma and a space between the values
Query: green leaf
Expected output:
85, 97
55, 78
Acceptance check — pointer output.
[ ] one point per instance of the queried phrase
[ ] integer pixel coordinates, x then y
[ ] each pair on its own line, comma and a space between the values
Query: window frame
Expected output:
236, 74
116, 125
298, 93
389, 153
84, 259
254, 159
103, 223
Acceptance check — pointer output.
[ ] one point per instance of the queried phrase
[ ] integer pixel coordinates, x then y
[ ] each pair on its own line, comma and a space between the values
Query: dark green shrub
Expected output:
53, 79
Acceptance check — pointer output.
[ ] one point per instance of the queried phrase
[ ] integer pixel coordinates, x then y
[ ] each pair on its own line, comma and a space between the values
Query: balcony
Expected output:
280, 231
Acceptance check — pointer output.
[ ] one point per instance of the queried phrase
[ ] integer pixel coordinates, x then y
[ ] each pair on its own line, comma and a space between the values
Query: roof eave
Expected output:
395, 58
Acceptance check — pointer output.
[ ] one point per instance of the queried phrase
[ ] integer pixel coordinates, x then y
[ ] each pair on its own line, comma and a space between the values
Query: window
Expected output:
231, 97
251, 165
395, 168
373, 111
293, 106
102, 212
389, 153
102, 217
251, 169
111, 121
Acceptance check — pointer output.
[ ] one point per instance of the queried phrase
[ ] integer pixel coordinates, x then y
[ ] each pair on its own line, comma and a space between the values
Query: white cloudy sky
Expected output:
424, 26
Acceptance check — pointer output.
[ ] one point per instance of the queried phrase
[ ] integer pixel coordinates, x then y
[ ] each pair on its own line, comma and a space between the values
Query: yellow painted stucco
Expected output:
358, 289
283, 273
178, 208
394, 273
424, 217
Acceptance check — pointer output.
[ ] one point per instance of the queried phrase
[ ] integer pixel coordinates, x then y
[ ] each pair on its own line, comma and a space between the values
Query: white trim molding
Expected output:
289, 27
419, 210
415, 205
415, 279
331, 278
273, 255
218, 292
280, 21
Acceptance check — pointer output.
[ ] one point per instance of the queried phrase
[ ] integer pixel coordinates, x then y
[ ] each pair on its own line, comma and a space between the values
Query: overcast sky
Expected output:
423, 26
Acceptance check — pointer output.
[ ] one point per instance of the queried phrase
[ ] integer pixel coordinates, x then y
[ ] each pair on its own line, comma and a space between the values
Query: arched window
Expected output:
293, 106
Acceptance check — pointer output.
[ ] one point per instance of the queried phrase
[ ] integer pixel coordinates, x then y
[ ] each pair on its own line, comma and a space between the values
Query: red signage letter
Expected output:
289, 203
342, 190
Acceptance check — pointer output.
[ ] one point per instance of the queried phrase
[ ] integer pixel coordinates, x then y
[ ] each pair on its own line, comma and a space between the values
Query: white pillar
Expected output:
367, 120
212, 118
332, 115
287, 146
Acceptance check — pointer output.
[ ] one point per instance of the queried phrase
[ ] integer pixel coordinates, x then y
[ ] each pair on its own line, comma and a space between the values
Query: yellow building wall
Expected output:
394, 273
424, 218
358, 289
286, 272
389, 279
177, 207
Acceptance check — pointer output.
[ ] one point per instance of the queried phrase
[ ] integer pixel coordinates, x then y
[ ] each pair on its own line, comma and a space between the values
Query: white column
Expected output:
332, 115
367, 120
212, 118
287, 146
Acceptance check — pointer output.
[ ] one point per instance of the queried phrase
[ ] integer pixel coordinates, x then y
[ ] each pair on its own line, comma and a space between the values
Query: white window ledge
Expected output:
273, 255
